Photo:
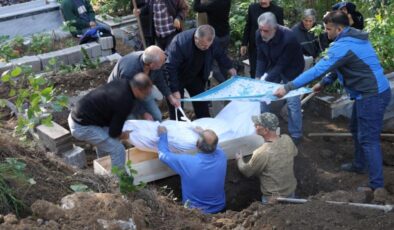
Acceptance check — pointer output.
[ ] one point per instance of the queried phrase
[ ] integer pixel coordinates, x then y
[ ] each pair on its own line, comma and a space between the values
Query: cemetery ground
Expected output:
50, 203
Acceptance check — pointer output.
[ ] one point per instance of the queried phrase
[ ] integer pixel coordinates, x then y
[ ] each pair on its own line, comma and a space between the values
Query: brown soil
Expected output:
158, 206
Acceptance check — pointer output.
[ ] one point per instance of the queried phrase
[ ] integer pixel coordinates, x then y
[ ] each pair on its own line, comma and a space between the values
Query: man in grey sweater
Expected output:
149, 62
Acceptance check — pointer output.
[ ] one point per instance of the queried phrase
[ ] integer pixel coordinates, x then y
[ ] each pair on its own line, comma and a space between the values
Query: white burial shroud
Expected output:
232, 122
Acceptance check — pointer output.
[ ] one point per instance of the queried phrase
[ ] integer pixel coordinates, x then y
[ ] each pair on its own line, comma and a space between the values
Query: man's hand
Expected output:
177, 95
238, 155
124, 135
243, 50
161, 130
92, 24
147, 116
232, 72
177, 24
317, 87
174, 101
280, 92
136, 12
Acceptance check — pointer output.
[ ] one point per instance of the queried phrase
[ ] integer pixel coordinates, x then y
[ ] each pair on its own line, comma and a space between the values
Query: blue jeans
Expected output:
366, 125
147, 105
295, 116
98, 136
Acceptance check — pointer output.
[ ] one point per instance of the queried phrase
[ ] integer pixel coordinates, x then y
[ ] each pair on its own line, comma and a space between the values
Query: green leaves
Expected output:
34, 98
126, 179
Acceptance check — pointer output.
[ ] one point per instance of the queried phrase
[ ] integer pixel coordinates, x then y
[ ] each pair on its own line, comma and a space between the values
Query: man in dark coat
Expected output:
356, 19
189, 63
280, 59
248, 40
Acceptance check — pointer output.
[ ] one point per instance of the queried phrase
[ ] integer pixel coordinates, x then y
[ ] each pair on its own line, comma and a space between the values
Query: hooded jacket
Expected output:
355, 63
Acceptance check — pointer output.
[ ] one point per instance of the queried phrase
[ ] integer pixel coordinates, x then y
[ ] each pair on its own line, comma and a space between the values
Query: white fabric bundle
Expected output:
232, 122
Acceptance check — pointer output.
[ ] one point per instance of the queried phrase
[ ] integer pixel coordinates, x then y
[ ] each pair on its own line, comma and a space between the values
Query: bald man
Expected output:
202, 174
99, 116
150, 62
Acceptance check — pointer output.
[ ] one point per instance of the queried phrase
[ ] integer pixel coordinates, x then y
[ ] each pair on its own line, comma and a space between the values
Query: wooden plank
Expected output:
150, 168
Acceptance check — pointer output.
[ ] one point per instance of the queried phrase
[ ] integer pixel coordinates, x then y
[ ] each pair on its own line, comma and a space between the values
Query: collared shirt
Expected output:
202, 176
163, 21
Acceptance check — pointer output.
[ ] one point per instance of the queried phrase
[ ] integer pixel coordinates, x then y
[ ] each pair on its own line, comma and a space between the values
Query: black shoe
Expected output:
349, 167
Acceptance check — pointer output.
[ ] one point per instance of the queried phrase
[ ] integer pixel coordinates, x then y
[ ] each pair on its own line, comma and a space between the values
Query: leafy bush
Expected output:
12, 170
31, 97
114, 7
381, 35
126, 179
238, 14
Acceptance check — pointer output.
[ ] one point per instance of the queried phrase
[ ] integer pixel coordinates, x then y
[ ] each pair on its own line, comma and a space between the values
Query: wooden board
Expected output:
150, 168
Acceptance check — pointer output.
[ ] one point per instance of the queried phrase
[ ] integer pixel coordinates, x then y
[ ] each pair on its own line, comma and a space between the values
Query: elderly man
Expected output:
248, 40
280, 59
161, 19
202, 174
311, 44
149, 62
190, 58
273, 161
98, 117
357, 68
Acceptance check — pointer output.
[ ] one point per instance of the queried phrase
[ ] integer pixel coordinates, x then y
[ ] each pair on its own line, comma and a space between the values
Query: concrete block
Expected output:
74, 54
75, 157
88, 48
33, 61
4, 67
106, 52
96, 50
55, 137
60, 56
106, 43
114, 57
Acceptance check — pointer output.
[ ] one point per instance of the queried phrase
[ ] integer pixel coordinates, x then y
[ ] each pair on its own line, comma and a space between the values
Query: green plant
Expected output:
41, 43
10, 49
69, 26
12, 170
237, 20
126, 179
381, 35
31, 98
114, 7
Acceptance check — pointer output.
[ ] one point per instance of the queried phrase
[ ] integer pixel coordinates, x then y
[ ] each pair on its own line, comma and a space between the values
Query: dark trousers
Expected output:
220, 74
164, 42
194, 87
252, 60
366, 125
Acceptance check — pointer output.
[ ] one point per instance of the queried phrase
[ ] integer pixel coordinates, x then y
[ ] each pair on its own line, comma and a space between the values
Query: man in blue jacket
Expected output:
357, 67
189, 62
280, 59
202, 174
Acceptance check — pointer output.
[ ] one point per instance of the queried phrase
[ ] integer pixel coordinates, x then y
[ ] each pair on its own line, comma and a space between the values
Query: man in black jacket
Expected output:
356, 19
190, 58
150, 62
280, 59
248, 40
161, 20
218, 12
98, 117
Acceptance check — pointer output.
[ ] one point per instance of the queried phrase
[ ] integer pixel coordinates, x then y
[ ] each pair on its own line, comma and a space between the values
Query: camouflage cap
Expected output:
267, 120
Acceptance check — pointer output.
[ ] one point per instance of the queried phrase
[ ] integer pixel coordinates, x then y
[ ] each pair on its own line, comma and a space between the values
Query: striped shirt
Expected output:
163, 21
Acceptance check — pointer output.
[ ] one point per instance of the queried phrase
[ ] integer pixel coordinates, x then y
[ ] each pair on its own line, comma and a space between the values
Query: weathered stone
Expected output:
105, 53
60, 57
55, 137
114, 57
32, 61
74, 54
75, 157
10, 219
106, 43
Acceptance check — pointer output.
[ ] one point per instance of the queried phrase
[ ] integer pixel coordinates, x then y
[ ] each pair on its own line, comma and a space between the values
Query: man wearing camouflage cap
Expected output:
273, 161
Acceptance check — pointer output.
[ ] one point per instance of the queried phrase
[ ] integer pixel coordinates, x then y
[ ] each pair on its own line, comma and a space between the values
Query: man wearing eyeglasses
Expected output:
189, 63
